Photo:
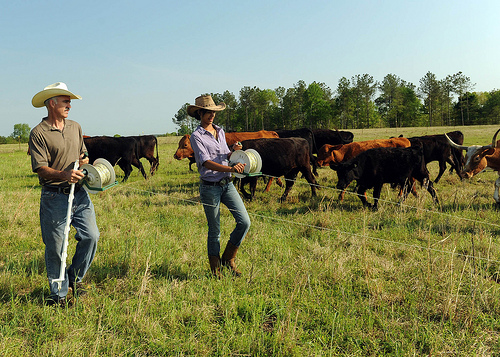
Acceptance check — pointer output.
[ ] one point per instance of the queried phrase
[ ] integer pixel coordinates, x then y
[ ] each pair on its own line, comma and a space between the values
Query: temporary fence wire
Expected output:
400, 204
338, 231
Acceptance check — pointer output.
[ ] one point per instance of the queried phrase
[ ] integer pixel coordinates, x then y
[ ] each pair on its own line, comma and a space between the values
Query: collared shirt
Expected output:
57, 149
206, 147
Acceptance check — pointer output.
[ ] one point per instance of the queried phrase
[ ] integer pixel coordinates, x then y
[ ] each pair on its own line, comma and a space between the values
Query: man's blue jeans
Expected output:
211, 198
53, 210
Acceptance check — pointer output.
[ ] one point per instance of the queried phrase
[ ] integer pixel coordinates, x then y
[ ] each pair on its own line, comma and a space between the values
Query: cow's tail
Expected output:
154, 167
157, 156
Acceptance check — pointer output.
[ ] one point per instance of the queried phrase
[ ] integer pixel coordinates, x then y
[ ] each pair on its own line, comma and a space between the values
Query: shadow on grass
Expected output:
169, 271
100, 273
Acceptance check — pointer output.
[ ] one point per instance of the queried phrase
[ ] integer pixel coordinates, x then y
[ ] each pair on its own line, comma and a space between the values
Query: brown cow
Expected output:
186, 151
147, 145
479, 158
335, 154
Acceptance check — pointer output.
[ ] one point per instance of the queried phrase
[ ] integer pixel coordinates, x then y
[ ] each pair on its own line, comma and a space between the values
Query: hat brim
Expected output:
191, 109
40, 98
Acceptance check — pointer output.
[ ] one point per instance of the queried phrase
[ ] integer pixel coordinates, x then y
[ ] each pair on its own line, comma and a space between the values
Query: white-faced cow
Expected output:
280, 157
479, 158
374, 167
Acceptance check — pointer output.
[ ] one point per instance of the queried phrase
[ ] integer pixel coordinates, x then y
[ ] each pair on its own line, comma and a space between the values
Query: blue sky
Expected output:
135, 63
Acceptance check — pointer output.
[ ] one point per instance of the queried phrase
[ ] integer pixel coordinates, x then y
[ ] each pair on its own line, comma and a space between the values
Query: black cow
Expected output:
437, 148
280, 157
121, 151
304, 133
331, 137
147, 145
374, 167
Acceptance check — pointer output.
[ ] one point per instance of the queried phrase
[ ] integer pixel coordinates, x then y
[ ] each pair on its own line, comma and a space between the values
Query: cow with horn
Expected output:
479, 158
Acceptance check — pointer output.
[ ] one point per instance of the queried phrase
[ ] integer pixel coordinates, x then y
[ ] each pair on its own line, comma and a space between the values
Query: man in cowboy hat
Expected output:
212, 154
55, 144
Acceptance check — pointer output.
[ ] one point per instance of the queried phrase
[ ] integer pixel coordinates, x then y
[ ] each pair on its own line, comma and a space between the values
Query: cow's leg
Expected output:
377, 189
442, 169
289, 181
362, 196
268, 185
406, 186
306, 172
496, 196
414, 187
154, 165
127, 169
253, 186
246, 195
430, 188
191, 161
315, 166
138, 164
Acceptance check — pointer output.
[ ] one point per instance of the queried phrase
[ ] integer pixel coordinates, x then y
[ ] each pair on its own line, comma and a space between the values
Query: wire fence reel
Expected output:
98, 177
252, 160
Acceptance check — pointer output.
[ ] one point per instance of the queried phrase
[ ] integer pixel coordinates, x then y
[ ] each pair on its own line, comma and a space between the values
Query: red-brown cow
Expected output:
479, 158
335, 154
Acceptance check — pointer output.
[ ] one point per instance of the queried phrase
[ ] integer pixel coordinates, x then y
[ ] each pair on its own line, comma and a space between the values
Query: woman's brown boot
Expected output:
214, 261
228, 256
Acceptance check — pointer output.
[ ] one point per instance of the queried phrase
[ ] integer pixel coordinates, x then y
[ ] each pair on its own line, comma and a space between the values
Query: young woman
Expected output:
212, 156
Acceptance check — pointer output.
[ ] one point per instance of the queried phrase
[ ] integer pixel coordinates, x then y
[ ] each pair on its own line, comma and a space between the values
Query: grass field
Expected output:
320, 277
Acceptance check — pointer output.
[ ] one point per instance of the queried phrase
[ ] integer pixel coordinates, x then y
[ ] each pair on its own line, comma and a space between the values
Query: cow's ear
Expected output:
490, 151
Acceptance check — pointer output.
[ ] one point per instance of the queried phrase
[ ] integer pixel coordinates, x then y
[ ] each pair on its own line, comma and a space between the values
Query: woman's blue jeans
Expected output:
211, 198
53, 210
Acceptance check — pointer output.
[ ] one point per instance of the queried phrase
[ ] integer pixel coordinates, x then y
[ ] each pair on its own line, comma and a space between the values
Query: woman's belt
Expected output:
222, 182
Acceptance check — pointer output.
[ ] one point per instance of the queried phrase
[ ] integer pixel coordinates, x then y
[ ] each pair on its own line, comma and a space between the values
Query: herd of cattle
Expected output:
398, 161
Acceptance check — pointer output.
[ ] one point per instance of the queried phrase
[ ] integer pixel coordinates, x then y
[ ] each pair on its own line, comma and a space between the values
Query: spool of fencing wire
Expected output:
98, 177
249, 157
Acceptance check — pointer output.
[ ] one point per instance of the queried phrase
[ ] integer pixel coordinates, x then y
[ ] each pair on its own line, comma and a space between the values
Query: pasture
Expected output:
320, 277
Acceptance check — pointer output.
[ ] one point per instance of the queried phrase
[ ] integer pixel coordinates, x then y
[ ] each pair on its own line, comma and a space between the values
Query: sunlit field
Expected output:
320, 277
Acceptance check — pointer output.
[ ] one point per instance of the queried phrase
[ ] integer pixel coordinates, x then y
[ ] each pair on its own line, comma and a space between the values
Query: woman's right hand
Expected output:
239, 167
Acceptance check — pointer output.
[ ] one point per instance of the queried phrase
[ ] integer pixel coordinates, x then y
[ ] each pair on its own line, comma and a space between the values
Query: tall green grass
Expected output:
320, 277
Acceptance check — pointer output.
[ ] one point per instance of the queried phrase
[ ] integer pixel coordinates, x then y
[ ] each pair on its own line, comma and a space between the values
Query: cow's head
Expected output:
184, 150
326, 154
475, 160
346, 172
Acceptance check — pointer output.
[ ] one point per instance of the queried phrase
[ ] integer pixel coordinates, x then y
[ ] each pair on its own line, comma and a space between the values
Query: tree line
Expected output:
357, 103
20, 134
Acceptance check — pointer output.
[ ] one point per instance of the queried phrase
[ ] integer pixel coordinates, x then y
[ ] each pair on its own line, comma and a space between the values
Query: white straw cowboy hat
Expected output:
53, 90
205, 102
